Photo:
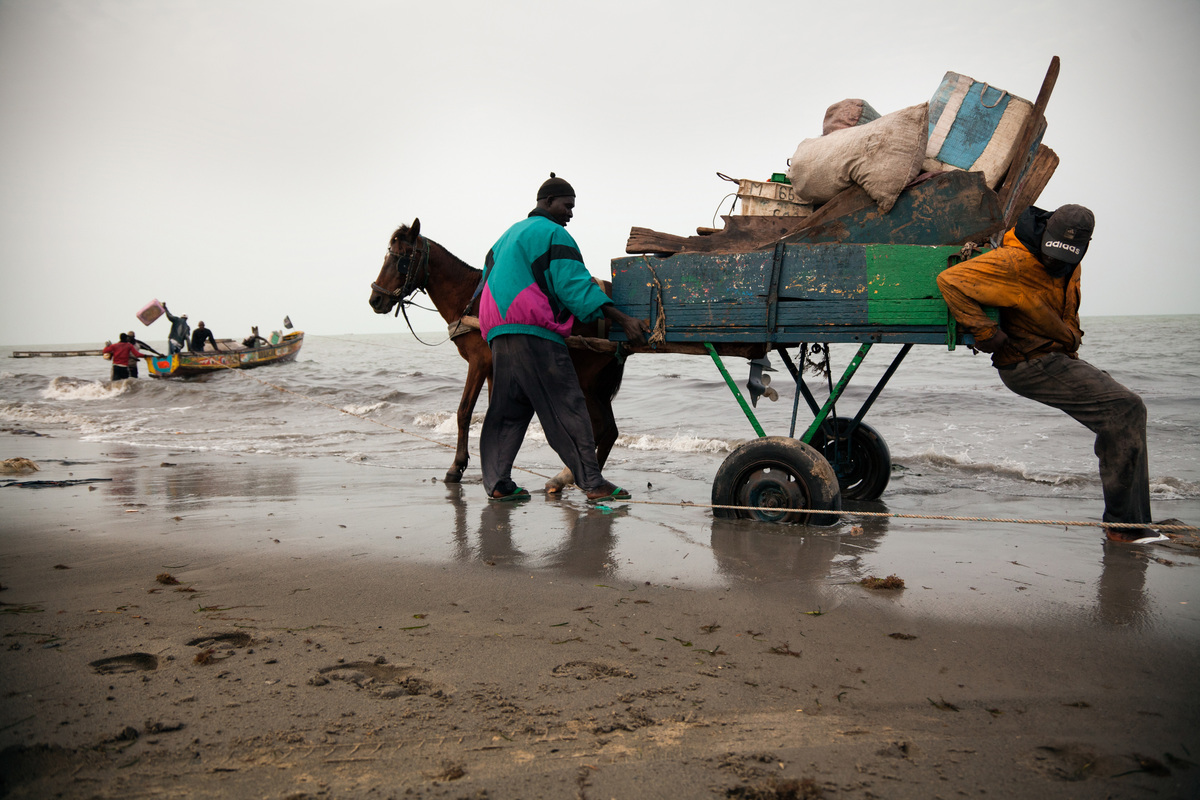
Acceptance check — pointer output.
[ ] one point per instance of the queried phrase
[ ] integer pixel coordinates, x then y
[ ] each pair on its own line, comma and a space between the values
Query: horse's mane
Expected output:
458, 260
403, 229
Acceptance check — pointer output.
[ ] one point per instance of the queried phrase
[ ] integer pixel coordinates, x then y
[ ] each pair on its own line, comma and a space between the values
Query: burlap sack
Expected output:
847, 114
880, 156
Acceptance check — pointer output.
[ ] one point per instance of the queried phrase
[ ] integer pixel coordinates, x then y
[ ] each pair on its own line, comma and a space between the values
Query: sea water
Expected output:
379, 413
391, 401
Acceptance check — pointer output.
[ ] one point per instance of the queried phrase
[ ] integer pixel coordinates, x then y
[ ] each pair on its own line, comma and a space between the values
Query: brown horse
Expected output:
415, 263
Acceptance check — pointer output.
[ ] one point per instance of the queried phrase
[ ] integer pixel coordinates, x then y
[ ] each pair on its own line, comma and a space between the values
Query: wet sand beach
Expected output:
207, 625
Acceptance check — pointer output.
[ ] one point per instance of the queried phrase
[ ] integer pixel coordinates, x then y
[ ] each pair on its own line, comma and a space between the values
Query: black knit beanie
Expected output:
555, 187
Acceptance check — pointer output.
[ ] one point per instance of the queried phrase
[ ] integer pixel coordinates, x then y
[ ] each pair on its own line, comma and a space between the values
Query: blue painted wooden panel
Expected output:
821, 312
823, 272
825, 292
692, 277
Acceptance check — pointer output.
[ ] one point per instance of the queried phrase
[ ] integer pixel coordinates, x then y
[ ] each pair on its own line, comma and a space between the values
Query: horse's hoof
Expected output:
454, 476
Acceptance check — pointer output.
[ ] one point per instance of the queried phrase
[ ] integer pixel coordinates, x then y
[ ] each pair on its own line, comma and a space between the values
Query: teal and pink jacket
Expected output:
535, 283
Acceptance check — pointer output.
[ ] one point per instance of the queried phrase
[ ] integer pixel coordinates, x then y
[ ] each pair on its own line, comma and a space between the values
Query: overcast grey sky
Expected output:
247, 159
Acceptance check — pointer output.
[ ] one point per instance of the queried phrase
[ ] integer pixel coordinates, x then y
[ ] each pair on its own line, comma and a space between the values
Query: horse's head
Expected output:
405, 268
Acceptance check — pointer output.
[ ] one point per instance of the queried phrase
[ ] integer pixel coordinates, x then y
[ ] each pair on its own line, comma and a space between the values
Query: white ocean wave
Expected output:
1168, 488
76, 389
448, 423
679, 443
44, 416
439, 421
363, 410
1005, 468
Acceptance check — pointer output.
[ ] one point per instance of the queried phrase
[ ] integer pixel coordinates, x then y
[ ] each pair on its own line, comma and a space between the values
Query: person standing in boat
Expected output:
177, 339
534, 287
121, 354
202, 336
1034, 279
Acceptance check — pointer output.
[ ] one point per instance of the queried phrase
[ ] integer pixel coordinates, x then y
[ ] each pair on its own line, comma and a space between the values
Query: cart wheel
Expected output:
777, 472
862, 461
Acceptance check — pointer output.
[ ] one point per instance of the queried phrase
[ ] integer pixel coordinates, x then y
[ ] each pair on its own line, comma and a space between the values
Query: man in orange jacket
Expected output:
1033, 278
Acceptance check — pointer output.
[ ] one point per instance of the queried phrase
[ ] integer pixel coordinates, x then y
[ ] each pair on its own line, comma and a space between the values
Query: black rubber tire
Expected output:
862, 461
777, 472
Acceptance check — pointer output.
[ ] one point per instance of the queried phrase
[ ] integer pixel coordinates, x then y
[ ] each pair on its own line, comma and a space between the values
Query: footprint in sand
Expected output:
386, 680
223, 640
120, 665
589, 670
219, 646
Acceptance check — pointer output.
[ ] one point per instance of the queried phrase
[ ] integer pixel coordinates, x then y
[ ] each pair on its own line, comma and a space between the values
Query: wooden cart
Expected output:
785, 297
782, 282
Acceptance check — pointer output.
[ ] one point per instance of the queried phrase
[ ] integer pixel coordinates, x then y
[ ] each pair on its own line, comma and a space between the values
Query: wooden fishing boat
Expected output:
188, 365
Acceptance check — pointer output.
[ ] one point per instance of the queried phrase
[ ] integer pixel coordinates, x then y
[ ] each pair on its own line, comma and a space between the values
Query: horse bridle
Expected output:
411, 268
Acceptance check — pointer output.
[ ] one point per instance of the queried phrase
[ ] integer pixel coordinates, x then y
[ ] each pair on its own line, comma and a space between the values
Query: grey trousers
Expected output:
1115, 414
532, 375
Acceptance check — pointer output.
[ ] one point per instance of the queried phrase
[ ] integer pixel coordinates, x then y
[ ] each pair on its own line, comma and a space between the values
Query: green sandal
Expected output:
617, 494
516, 496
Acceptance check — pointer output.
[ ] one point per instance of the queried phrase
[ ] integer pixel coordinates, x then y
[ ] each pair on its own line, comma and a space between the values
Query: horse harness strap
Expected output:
411, 269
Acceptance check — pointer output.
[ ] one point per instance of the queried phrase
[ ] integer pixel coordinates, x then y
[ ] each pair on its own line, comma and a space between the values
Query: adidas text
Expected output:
1062, 246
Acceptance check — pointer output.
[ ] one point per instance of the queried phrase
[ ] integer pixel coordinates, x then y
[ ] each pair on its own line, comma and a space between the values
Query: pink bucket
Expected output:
152, 311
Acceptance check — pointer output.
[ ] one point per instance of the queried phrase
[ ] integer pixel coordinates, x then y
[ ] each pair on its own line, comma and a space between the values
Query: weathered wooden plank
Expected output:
915, 334
742, 233
945, 208
682, 321
691, 278
685, 317
1031, 186
1034, 127
892, 311
821, 312
815, 333
810, 272
950, 208
846, 202
645, 240
825, 292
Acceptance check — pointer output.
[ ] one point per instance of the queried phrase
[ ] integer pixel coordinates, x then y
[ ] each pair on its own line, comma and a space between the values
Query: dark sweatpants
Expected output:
532, 375
1115, 414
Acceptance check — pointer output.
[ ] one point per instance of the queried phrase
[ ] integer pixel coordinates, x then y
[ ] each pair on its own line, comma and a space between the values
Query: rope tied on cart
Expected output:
814, 359
658, 336
966, 253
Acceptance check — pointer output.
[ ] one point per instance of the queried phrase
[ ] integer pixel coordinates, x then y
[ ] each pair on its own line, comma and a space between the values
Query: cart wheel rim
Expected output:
773, 487
861, 459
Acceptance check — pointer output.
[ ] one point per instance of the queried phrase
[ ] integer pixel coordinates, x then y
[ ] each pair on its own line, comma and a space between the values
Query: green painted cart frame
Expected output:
783, 297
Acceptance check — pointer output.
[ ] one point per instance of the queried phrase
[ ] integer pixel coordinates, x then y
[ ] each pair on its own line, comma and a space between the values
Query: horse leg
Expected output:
599, 378
477, 372
604, 429
604, 422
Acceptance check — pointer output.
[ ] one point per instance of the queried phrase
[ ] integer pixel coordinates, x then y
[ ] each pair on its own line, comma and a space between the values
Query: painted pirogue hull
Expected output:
186, 365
